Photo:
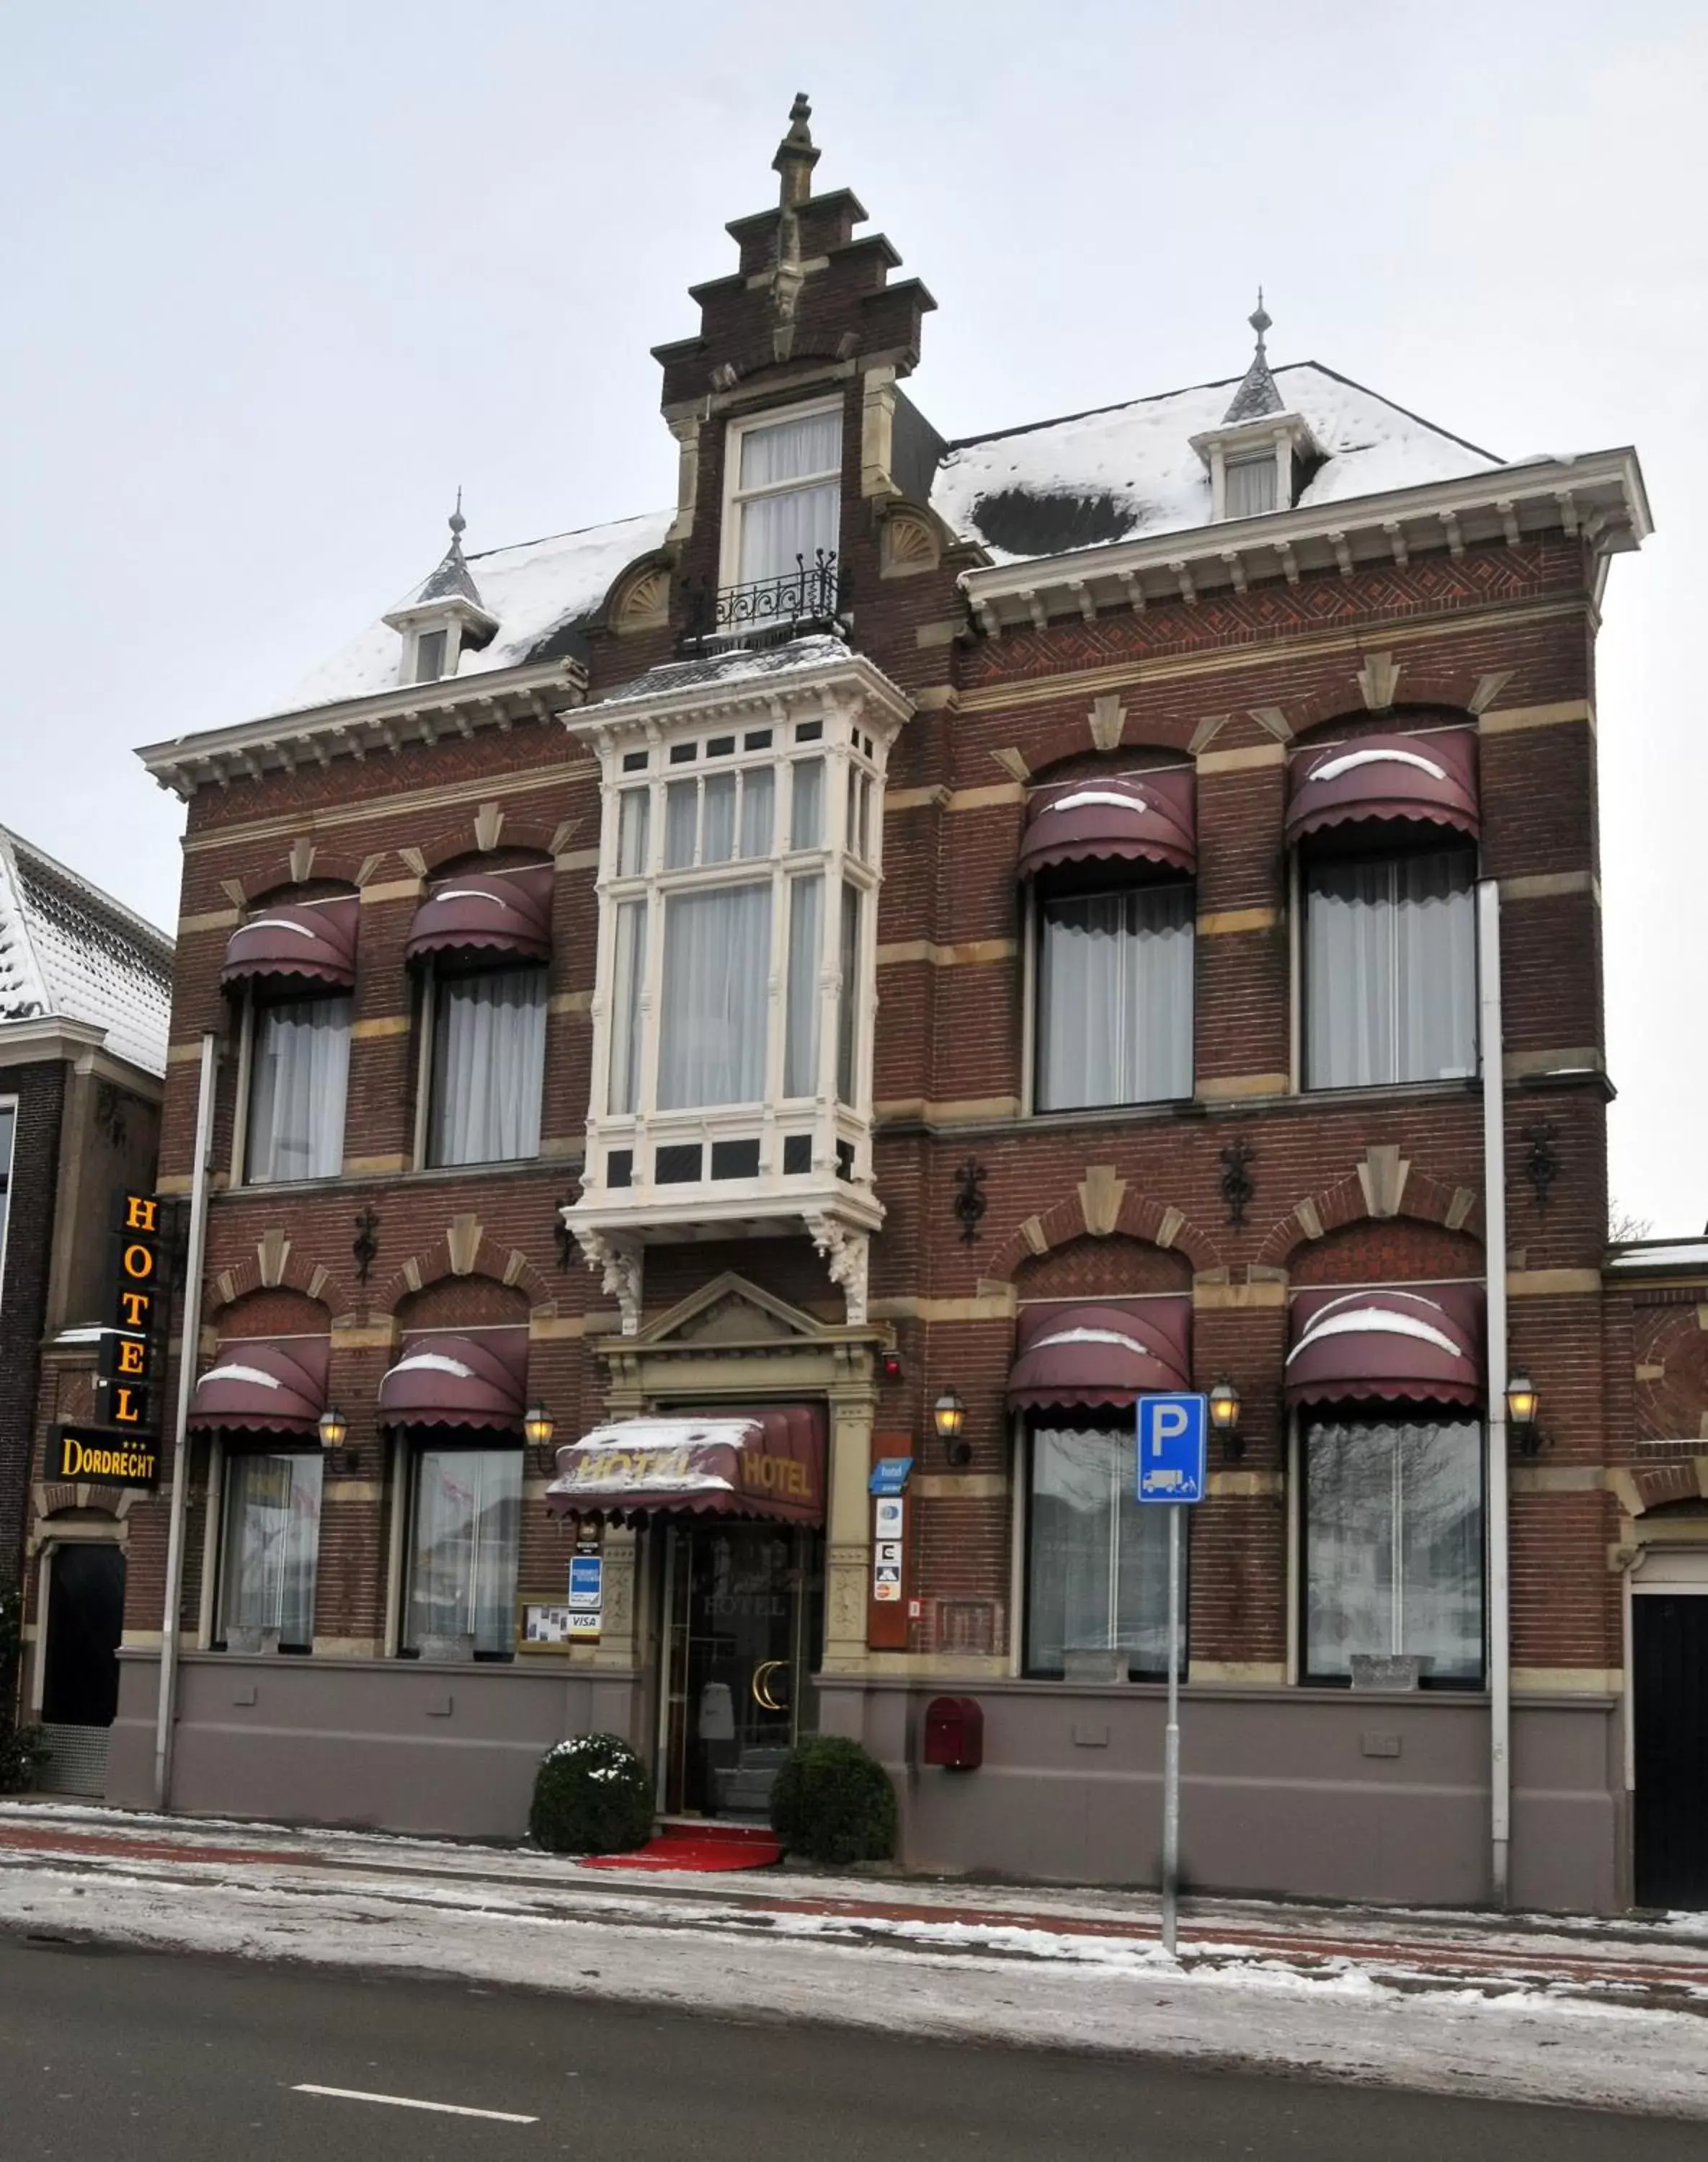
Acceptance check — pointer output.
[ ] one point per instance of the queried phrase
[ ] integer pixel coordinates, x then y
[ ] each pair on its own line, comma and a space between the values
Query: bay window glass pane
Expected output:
272, 1546
1115, 998
758, 793
807, 806
631, 833
1389, 968
848, 1000
681, 806
8, 1126
717, 819
628, 963
1394, 1545
789, 450
715, 998
1097, 1571
488, 1066
801, 1036
467, 1512
300, 1066
1250, 486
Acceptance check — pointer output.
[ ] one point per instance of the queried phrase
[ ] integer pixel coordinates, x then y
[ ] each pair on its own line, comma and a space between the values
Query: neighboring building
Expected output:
992, 921
85, 996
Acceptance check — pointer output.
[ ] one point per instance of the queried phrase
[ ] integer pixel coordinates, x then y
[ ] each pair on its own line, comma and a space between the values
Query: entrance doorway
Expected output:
1669, 1660
80, 1677
743, 1635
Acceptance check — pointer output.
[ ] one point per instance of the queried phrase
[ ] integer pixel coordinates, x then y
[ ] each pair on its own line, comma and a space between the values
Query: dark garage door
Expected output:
1670, 1656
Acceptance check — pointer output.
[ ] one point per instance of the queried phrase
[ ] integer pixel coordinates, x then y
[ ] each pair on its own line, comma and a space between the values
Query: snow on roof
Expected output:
536, 591
1130, 470
1662, 1254
70, 952
736, 663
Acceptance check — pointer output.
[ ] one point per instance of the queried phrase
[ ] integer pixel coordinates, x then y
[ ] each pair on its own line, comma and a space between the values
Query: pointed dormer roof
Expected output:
1256, 394
448, 595
454, 579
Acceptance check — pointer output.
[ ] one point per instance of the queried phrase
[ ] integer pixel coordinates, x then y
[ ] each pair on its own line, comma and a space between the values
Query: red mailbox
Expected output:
955, 1733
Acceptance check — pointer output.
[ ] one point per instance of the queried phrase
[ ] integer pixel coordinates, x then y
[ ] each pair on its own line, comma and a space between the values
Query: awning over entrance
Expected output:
1109, 1354
492, 915
258, 1386
299, 942
767, 1462
1430, 778
1421, 1345
478, 1381
1149, 819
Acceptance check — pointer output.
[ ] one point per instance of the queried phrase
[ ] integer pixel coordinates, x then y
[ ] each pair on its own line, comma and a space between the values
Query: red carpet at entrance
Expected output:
697, 1846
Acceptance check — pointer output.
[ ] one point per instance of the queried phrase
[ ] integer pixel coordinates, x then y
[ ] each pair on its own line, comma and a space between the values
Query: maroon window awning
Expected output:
1107, 1354
1150, 819
479, 1380
305, 942
1421, 1345
488, 915
1427, 779
766, 1462
260, 1385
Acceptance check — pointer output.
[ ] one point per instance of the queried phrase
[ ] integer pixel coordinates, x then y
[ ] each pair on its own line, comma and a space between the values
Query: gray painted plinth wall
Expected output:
1282, 1791
390, 1744
1313, 1794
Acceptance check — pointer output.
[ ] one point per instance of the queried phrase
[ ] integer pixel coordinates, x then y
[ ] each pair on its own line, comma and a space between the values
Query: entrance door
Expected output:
80, 1683
743, 1622
1669, 1654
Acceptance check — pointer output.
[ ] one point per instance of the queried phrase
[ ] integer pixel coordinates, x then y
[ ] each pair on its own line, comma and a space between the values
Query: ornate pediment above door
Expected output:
732, 1338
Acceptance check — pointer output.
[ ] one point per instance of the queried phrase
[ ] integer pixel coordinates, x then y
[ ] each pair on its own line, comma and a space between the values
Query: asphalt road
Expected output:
108, 2055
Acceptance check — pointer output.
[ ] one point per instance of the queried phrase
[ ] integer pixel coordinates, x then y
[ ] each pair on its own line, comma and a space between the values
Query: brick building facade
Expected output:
993, 921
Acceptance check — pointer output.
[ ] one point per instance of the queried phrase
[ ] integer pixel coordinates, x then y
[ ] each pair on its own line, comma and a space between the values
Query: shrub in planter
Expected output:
592, 1795
22, 1752
832, 1802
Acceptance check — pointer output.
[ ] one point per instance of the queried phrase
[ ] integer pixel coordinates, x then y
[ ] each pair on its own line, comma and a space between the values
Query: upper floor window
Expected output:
1251, 485
1389, 967
430, 655
783, 496
298, 1070
8, 1127
1113, 925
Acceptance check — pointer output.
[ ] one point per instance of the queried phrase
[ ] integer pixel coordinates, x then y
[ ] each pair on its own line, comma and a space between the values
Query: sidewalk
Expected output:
1610, 2013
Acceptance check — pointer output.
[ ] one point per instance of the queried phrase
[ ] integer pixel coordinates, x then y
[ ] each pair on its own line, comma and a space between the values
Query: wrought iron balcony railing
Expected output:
767, 611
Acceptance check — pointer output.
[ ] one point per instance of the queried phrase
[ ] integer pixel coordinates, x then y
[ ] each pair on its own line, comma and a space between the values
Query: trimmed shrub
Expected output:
592, 1795
22, 1752
832, 1802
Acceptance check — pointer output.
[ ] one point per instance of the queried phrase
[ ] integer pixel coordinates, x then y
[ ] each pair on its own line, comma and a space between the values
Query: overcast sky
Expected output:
276, 278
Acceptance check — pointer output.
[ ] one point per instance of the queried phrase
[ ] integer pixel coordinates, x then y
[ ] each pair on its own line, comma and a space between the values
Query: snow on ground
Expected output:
1416, 2012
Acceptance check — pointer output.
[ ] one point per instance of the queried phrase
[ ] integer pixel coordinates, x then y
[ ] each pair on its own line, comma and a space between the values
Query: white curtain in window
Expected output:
787, 449
1250, 489
1098, 1567
272, 1545
631, 833
776, 530
848, 1012
629, 963
716, 997
300, 1066
463, 1547
806, 809
488, 1066
758, 797
1390, 970
1394, 1545
801, 1034
1115, 998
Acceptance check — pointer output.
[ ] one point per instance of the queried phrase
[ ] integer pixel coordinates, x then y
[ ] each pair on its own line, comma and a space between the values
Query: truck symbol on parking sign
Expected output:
1172, 1431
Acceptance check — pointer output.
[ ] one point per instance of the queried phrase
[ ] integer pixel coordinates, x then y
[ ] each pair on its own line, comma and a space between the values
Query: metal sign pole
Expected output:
1171, 1745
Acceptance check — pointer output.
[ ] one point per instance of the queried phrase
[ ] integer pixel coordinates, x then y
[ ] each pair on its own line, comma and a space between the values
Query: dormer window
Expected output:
783, 494
1251, 484
444, 618
1261, 455
430, 655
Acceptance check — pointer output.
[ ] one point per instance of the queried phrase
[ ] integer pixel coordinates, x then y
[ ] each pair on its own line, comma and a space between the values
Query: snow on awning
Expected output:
1378, 1345
1149, 819
1108, 1354
489, 914
259, 1385
1430, 779
479, 1380
767, 1462
301, 942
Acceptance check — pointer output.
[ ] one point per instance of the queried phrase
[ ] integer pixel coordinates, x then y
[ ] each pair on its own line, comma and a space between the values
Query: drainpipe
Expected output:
190, 1332
1494, 1139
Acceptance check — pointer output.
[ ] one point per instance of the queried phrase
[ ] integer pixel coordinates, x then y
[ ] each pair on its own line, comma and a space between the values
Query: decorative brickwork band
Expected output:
1385, 1185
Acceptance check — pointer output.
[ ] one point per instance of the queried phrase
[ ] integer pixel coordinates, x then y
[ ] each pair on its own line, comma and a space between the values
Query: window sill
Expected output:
357, 1181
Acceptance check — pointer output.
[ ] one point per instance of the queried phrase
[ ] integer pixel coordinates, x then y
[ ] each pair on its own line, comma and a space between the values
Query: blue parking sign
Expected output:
1171, 1448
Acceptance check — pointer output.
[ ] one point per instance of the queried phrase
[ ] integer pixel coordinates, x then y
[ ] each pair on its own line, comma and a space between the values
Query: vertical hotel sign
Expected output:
124, 1449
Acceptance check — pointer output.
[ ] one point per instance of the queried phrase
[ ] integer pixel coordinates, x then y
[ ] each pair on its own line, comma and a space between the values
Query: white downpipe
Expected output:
1493, 1137
188, 1335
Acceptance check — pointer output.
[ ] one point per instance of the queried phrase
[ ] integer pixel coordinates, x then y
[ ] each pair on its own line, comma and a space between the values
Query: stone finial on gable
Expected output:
795, 157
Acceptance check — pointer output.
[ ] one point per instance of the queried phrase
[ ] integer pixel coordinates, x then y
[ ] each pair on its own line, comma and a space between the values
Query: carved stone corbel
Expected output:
621, 1268
845, 1256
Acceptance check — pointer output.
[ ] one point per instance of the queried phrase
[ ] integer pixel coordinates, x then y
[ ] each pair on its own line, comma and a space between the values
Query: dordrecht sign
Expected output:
124, 1451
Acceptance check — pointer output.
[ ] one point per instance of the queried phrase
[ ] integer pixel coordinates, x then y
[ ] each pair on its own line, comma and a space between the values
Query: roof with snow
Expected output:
1125, 471
69, 952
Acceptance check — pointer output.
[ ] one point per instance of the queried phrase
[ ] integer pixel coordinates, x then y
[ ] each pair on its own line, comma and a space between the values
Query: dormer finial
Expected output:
1260, 319
1257, 393
795, 156
457, 523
